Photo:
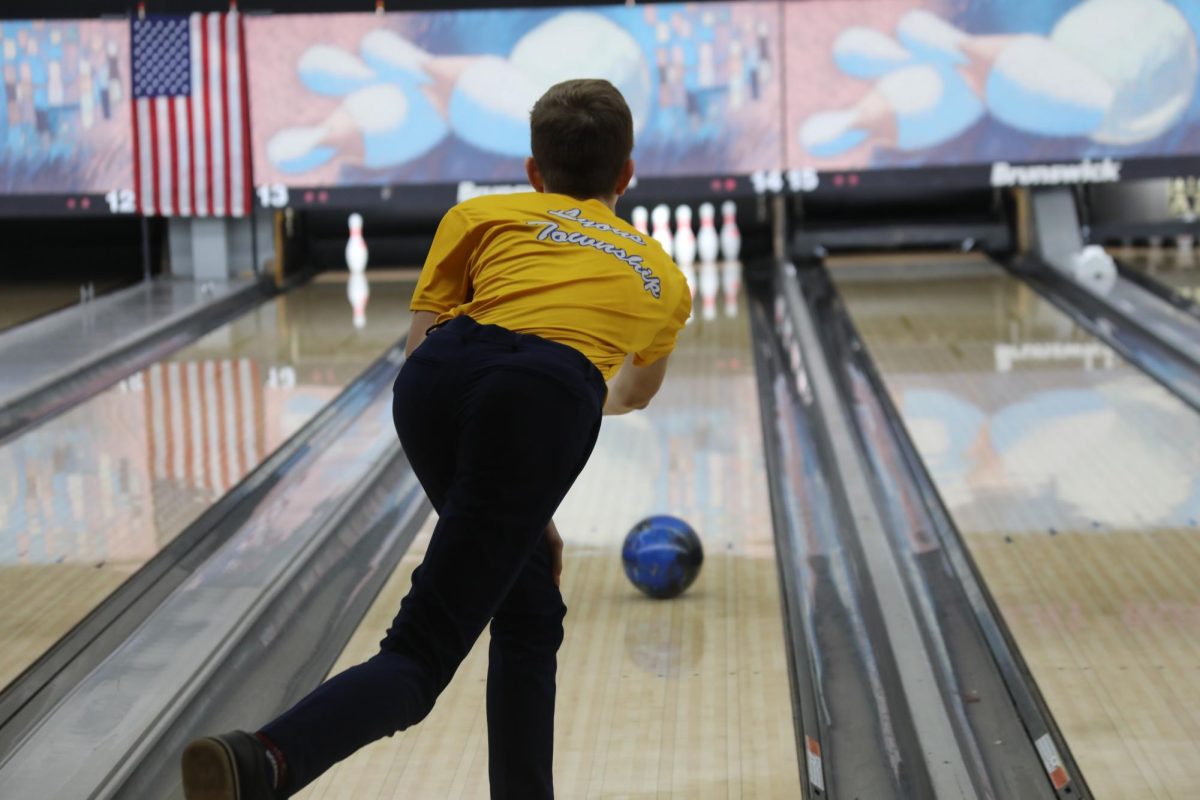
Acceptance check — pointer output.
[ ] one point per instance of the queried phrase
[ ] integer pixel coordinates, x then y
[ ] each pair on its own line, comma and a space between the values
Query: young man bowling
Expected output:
535, 314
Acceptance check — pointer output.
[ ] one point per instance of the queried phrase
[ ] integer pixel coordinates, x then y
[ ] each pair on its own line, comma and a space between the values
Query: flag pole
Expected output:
141, 12
252, 207
145, 248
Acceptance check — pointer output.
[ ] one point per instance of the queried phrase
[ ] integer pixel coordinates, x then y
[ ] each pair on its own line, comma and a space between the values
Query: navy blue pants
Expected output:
497, 426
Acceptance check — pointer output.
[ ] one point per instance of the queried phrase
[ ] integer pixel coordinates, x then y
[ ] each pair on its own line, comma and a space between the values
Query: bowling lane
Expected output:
1164, 319
91, 495
684, 698
1075, 482
26, 300
1175, 268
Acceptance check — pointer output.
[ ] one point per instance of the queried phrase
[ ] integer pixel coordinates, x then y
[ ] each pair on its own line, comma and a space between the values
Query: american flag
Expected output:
190, 119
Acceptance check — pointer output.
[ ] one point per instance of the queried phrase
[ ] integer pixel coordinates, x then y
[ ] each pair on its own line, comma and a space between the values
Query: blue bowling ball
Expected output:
662, 556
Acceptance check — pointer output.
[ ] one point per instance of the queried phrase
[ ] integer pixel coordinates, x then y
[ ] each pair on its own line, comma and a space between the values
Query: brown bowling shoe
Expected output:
232, 766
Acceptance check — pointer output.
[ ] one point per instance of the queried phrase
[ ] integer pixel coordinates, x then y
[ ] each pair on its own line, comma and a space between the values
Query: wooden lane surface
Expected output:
28, 300
91, 495
656, 699
686, 698
1075, 481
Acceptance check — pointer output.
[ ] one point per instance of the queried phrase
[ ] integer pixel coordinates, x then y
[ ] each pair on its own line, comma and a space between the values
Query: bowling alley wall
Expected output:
737, 97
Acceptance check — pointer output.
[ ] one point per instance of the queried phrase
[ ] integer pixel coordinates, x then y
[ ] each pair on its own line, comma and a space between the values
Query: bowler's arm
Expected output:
633, 387
421, 322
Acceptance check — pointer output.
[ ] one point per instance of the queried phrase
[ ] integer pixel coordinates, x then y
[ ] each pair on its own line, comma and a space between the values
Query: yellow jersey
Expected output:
567, 270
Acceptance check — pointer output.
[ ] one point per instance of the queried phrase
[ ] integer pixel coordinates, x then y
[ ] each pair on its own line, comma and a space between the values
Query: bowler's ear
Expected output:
625, 177
535, 175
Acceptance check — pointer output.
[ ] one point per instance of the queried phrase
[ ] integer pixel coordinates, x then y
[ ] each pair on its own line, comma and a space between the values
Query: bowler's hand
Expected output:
556, 547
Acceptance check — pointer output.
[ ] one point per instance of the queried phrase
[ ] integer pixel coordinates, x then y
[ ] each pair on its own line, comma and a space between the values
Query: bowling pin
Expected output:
1027, 81
358, 291
866, 53
931, 38
685, 246
388, 125
660, 217
707, 243
731, 238
709, 283
392, 56
356, 248
640, 218
331, 71
910, 108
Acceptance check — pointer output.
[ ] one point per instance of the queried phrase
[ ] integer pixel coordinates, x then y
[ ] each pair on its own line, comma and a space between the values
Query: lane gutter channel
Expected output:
1174, 370
854, 731
1059, 771
58, 395
1159, 289
53, 675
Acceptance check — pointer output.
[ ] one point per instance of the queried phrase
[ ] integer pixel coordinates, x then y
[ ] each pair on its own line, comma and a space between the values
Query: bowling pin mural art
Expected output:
895, 83
445, 95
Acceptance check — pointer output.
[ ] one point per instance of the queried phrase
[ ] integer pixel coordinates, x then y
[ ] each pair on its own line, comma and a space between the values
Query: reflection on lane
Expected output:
91, 495
1176, 268
1008, 398
1075, 481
